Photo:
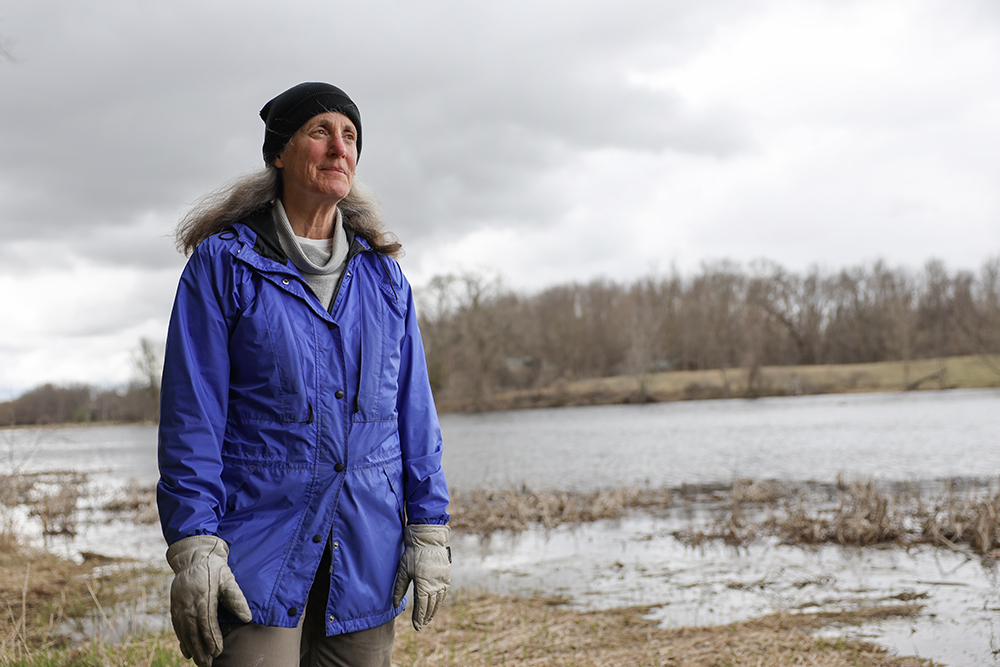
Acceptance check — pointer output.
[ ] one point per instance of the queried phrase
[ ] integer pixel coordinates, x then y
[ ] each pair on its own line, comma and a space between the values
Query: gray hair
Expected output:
247, 194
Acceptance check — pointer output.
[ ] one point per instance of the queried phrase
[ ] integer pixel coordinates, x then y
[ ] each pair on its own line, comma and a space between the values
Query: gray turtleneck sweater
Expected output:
321, 261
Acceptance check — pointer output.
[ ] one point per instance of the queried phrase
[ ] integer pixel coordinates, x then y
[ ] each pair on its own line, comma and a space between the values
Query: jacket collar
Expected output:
268, 246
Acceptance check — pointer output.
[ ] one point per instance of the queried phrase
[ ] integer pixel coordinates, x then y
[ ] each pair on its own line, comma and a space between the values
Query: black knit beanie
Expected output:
286, 113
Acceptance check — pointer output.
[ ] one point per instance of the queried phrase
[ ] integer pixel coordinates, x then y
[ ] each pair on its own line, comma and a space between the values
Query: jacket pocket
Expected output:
396, 490
383, 326
266, 352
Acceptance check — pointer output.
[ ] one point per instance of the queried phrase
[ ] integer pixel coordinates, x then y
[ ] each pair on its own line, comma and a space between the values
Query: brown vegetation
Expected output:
135, 503
49, 601
50, 496
856, 513
484, 511
864, 515
488, 347
480, 629
951, 373
41, 594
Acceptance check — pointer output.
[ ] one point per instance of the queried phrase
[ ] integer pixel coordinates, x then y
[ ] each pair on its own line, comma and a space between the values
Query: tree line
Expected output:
136, 401
481, 337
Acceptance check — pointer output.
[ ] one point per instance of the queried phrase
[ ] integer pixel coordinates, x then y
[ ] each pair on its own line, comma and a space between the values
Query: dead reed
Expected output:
474, 630
46, 599
962, 520
49, 602
50, 496
862, 515
484, 511
135, 502
856, 513
479, 630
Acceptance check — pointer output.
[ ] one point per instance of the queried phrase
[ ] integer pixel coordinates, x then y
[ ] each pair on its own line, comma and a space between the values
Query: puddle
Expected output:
636, 561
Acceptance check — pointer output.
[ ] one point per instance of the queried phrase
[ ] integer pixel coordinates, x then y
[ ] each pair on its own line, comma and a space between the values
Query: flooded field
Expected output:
922, 439
637, 561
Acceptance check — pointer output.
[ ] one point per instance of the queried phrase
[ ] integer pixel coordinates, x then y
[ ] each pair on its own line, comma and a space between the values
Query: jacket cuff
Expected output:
437, 521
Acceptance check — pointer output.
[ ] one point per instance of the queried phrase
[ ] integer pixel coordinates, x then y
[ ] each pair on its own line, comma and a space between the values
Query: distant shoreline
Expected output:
967, 372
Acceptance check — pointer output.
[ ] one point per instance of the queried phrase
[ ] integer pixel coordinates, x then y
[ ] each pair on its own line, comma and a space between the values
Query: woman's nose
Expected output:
337, 146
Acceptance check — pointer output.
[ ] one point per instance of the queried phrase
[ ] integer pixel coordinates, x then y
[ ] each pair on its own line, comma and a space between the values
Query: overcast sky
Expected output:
545, 141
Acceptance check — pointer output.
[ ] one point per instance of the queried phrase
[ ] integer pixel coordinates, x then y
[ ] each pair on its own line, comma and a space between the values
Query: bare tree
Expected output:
467, 331
143, 397
5, 51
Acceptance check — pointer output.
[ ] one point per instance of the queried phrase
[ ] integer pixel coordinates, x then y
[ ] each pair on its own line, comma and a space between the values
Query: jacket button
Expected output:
340, 393
339, 467
333, 619
292, 611
317, 538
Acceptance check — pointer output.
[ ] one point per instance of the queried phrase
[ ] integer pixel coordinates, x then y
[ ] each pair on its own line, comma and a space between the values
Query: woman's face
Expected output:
320, 158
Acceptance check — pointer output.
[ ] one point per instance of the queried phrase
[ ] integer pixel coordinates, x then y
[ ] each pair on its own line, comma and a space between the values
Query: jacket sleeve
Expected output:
424, 487
194, 395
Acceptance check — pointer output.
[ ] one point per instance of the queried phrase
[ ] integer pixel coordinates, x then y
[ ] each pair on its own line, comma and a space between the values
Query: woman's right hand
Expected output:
202, 578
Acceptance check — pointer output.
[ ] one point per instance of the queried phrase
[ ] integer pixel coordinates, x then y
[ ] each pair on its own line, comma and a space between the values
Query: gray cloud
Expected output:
121, 111
519, 120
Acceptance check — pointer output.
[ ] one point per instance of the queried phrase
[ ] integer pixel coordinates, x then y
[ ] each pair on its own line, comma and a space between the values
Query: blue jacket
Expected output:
284, 426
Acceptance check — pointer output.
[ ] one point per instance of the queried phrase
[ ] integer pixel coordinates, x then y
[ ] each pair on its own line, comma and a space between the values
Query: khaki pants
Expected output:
252, 645
259, 645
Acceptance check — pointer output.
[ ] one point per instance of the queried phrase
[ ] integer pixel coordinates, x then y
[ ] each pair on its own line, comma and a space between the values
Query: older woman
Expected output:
299, 448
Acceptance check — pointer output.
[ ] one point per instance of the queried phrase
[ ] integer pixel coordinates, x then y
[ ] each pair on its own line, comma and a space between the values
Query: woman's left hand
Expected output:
427, 562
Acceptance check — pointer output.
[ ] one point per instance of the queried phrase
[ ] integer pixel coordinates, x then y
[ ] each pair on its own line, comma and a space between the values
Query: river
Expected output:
915, 437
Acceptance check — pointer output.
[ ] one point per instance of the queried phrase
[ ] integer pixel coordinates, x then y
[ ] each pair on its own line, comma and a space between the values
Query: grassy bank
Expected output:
54, 607
60, 613
478, 630
948, 373
472, 629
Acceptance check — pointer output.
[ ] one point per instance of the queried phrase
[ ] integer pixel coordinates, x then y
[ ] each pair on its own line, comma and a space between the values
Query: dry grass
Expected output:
957, 520
863, 515
948, 373
484, 511
153, 650
46, 601
860, 513
50, 496
136, 502
477, 630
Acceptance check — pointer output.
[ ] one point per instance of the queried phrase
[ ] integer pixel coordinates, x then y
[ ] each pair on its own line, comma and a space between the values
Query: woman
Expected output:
299, 447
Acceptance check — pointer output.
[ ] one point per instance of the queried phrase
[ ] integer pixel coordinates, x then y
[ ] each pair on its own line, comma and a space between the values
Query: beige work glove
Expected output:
202, 579
427, 562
